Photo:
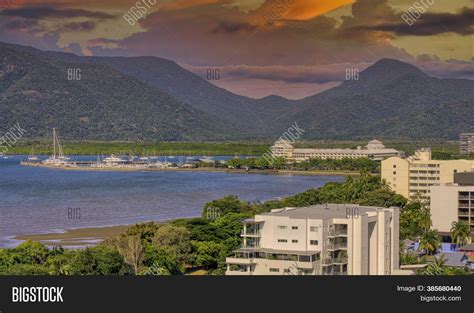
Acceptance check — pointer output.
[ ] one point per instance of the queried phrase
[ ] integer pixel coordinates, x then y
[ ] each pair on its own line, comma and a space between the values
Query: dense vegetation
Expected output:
185, 245
148, 98
44, 147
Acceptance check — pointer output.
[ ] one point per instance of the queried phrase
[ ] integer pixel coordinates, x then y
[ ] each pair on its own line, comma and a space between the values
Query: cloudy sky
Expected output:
292, 48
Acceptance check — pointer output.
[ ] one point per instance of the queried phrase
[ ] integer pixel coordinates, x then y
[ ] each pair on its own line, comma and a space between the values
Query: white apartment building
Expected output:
466, 143
333, 239
412, 177
453, 202
374, 150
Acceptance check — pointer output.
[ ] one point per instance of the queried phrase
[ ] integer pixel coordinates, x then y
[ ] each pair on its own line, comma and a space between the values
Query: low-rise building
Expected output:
412, 177
333, 239
466, 143
374, 150
453, 202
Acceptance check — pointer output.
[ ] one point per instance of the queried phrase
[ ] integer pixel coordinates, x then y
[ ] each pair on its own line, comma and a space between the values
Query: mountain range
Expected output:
153, 99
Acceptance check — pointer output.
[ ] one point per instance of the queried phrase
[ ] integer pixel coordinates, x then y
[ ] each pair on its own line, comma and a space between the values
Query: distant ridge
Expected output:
149, 98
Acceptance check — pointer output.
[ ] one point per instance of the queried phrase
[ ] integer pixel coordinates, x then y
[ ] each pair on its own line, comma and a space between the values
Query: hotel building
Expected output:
466, 143
374, 150
412, 177
453, 202
319, 240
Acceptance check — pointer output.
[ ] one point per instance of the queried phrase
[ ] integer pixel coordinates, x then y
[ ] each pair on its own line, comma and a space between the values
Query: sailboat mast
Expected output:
54, 142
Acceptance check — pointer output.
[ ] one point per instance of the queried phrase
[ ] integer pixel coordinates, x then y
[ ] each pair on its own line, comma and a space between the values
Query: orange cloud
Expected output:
305, 9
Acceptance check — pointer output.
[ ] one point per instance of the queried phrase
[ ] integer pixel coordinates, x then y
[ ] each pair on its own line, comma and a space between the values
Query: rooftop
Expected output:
465, 178
322, 211
342, 151
469, 247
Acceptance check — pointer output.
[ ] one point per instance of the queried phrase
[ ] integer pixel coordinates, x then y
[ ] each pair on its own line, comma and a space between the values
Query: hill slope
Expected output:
149, 98
104, 104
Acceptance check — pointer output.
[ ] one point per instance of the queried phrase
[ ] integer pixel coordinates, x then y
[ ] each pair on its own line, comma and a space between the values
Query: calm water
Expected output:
36, 200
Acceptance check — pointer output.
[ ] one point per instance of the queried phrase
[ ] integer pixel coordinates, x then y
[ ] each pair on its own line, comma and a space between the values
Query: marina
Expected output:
113, 162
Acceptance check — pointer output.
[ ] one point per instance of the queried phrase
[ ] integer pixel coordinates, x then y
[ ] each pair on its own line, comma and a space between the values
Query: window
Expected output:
286, 270
294, 241
304, 258
281, 227
313, 242
282, 240
275, 270
394, 172
394, 166
314, 229
294, 227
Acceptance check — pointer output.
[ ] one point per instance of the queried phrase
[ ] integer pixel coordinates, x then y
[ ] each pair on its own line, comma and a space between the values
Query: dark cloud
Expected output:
431, 24
50, 12
78, 27
233, 27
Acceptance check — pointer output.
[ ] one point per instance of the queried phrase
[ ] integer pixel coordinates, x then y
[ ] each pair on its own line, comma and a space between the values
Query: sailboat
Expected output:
32, 157
58, 158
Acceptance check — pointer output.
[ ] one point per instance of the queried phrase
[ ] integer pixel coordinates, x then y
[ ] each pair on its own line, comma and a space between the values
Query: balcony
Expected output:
337, 231
341, 260
239, 260
251, 233
337, 246
335, 261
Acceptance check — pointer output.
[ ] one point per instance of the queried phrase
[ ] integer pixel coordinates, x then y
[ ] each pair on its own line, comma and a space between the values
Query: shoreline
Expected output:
77, 237
201, 169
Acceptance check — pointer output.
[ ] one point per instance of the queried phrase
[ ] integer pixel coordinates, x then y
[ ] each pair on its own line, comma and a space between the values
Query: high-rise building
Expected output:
333, 239
466, 143
412, 177
453, 202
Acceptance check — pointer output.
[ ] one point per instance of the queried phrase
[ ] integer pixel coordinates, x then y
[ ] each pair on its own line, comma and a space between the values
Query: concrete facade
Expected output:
412, 177
319, 240
374, 150
453, 202
466, 143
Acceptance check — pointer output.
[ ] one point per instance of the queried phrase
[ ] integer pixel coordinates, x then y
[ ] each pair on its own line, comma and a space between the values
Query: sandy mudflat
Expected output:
76, 237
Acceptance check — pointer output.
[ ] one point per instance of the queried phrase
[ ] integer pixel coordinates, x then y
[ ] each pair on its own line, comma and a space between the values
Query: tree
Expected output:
425, 219
430, 242
413, 220
208, 254
460, 232
175, 237
31, 252
131, 249
438, 267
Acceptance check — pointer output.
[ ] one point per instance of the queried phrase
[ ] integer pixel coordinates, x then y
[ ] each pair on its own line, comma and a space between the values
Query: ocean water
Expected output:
39, 200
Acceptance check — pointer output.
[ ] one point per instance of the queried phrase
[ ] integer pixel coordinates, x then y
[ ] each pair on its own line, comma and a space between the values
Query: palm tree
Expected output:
425, 218
437, 267
460, 232
429, 241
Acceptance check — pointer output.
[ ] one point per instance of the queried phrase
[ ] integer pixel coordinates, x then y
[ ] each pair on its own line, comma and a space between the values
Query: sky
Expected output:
290, 48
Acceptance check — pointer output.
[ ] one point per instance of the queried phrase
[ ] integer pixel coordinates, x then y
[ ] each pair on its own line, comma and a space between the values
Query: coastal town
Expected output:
344, 238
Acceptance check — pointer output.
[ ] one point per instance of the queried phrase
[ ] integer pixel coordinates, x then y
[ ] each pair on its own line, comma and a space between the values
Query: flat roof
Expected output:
469, 247
464, 178
346, 151
322, 211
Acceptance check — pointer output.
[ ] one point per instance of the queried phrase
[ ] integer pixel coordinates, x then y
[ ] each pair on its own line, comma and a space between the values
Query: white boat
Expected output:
32, 157
58, 158
113, 160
